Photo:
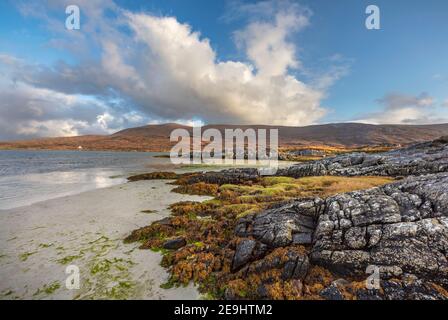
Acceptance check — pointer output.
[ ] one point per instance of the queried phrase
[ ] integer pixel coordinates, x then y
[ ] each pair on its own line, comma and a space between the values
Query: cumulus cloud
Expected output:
150, 68
27, 111
399, 108
185, 77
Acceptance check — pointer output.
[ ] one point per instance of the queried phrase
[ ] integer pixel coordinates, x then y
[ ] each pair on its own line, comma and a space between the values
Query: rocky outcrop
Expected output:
402, 228
232, 176
154, 176
291, 224
424, 158
410, 288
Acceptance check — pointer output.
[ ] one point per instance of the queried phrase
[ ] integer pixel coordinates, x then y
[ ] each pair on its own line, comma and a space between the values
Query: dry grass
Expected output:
327, 151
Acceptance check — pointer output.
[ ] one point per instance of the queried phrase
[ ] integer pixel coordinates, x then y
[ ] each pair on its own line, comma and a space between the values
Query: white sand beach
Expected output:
39, 241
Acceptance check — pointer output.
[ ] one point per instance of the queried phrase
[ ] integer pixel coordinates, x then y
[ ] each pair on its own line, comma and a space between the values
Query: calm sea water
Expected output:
27, 177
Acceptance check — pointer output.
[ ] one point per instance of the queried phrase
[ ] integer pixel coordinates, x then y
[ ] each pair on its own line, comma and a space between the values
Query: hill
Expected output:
156, 137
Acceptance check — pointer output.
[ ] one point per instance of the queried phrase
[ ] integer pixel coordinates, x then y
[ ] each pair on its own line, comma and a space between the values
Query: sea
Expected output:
27, 177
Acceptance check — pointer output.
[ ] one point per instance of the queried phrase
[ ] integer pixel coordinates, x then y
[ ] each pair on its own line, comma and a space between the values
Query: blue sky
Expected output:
273, 62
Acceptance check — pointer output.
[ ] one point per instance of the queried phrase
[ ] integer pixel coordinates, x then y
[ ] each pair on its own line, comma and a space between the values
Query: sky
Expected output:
285, 62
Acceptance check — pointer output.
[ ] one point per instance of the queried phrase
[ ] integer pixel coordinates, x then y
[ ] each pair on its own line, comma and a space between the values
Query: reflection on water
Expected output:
27, 177
16, 191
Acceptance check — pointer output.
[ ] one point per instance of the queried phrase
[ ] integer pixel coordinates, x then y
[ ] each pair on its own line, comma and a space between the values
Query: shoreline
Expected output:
39, 241
82, 150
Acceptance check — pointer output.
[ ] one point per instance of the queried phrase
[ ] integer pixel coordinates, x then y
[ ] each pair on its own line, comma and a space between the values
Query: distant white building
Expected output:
79, 147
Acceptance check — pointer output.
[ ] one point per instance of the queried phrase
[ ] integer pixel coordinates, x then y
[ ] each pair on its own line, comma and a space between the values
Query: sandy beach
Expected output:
39, 241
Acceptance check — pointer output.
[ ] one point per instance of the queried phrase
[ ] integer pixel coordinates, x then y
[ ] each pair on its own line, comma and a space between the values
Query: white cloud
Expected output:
50, 128
27, 111
266, 43
401, 108
183, 76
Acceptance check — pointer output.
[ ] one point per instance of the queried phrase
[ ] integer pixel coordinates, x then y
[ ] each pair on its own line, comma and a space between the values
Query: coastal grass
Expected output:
287, 152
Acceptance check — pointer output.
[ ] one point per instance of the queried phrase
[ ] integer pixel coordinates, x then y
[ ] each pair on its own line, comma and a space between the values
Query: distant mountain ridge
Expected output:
156, 137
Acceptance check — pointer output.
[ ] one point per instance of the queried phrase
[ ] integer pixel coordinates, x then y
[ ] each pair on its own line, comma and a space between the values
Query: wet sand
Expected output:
39, 241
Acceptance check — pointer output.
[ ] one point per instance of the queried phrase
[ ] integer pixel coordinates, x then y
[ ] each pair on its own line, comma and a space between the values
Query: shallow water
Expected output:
27, 177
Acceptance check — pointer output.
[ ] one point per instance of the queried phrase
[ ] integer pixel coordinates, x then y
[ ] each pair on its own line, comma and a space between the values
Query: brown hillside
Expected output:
156, 137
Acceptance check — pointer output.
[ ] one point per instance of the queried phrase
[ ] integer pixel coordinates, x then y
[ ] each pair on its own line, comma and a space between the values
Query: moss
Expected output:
7, 293
120, 291
269, 181
207, 296
199, 244
171, 283
160, 250
154, 176
24, 256
48, 288
105, 265
68, 259
102, 266
200, 188
45, 245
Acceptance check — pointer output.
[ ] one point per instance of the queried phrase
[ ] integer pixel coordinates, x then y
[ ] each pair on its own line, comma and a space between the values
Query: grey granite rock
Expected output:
402, 225
232, 176
424, 158
401, 228
290, 224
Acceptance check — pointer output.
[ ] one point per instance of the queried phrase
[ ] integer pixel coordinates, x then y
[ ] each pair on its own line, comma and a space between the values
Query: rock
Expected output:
243, 253
423, 158
331, 293
369, 294
292, 261
383, 231
293, 223
228, 176
416, 290
296, 266
154, 176
165, 221
174, 244
401, 228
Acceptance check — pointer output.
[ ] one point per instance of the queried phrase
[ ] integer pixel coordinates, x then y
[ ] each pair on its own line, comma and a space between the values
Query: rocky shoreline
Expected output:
311, 232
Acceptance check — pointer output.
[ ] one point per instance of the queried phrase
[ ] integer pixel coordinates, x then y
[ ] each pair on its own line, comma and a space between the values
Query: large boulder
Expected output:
401, 228
291, 224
